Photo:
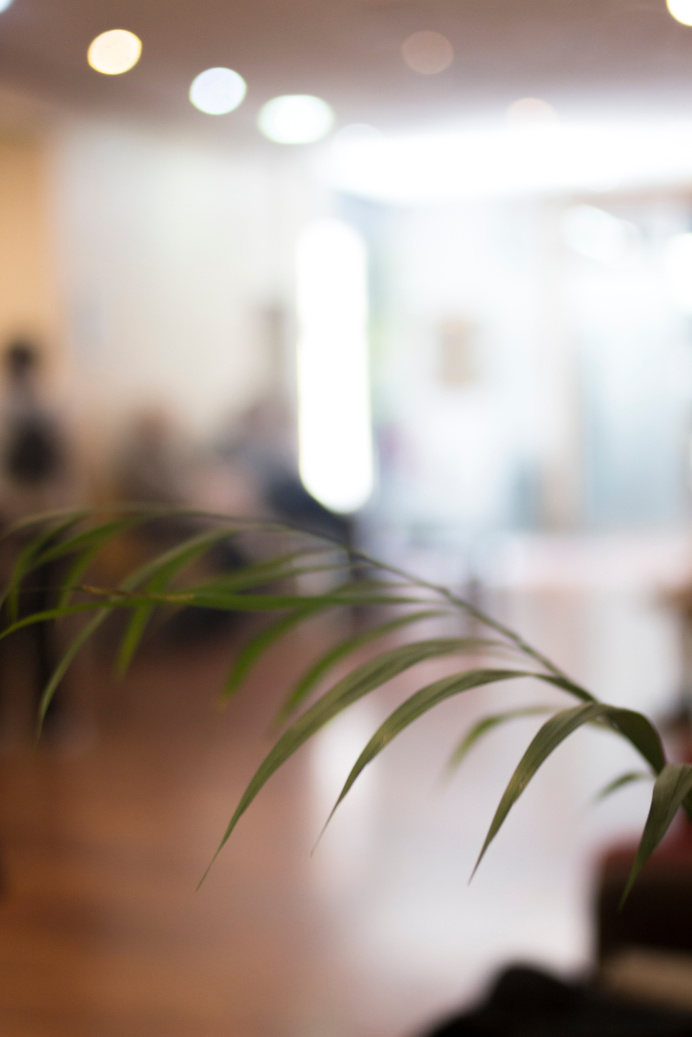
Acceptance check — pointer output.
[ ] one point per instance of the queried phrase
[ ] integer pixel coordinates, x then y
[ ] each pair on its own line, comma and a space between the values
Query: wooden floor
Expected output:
103, 841
103, 844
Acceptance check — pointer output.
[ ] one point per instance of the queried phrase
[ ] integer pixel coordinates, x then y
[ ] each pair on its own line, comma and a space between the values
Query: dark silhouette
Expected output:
528, 1002
33, 473
33, 450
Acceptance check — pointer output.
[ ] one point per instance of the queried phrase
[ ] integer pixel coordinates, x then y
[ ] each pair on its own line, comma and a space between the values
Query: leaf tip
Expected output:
628, 886
476, 866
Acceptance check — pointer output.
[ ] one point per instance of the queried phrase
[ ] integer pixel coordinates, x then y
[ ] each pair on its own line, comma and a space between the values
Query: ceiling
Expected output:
625, 58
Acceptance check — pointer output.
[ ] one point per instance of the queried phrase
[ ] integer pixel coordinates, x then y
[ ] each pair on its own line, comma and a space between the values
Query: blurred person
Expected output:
37, 474
153, 460
34, 457
148, 467
262, 445
157, 466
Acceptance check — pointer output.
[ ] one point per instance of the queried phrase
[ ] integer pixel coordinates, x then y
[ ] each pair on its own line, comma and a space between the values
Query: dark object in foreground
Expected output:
525, 1002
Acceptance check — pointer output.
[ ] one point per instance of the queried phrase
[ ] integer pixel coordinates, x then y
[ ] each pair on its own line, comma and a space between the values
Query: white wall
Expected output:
28, 299
482, 263
168, 251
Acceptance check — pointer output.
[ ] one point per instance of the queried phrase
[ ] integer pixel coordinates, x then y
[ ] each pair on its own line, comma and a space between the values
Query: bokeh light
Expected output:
334, 421
4, 4
114, 52
427, 52
681, 10
217, 91
531, 111
295, 119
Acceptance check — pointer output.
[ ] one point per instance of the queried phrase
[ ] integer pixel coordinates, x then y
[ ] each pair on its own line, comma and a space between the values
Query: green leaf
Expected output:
60, 670
59, 612
356, 589
165, 571
619, 783
672, 786
63, 517
633, 725
255, 647
86, 539
185, 552
88, 546
157, 573
489, 723
565, 684
336, 654
259, 574
279, 602
29, 558
640, 732
364, 679
133, 635
50, 545
414, 707
156, 570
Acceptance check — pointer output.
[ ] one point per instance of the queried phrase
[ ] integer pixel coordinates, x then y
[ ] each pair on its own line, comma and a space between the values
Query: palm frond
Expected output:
278, 581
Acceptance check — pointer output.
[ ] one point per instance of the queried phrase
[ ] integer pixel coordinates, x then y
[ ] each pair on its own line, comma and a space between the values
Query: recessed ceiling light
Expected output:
427, 52
4, 4
217, 91
295, 119
114, 52
681, 10
531, 111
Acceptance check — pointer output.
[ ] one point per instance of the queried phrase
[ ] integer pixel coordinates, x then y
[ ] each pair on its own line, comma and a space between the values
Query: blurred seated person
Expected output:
262, 445
150, 466
157, 465
152, 460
